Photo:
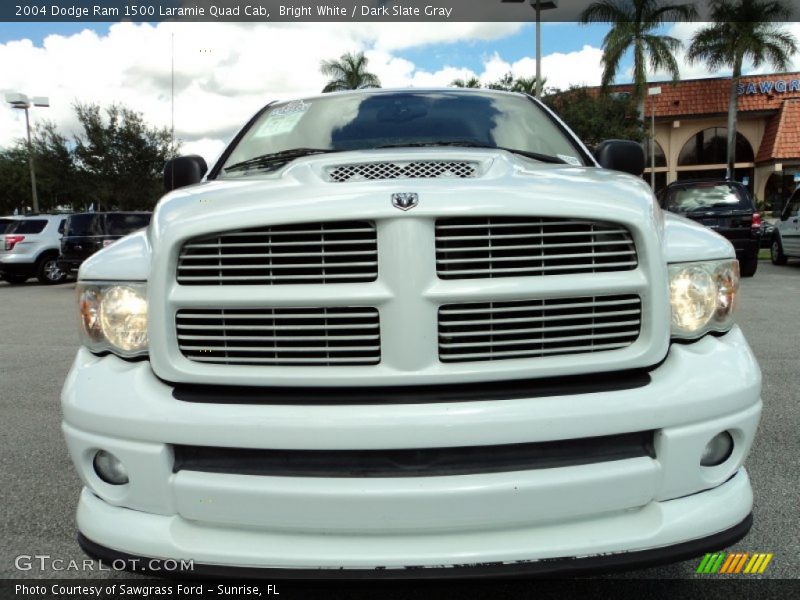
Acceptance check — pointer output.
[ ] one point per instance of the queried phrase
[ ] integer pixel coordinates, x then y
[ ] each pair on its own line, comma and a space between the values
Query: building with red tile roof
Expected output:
691, 129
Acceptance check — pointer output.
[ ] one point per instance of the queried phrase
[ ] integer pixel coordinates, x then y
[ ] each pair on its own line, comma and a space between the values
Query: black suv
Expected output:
724, 206
86, 233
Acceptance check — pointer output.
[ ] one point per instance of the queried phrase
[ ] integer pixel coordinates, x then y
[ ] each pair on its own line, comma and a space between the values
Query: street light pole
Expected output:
654, 91
34, 195
538, 6
21, 101
538, 90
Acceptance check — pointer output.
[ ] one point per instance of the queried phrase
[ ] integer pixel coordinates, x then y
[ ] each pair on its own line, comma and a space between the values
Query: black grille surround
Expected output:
489, 331
491, 247
339, 336
305, 253
482, 391
414, 462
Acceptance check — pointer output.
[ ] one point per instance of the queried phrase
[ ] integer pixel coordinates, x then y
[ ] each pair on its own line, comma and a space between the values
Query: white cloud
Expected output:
208, 148
224, 72
560, 70
227, 71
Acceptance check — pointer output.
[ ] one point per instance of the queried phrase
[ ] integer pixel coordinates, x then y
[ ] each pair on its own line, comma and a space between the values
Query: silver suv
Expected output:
786, 237
29, 247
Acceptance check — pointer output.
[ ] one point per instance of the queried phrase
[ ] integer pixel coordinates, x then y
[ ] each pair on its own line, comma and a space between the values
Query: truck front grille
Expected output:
280, 336
420, 169
489, 331
306, 253
598, 303
488, 247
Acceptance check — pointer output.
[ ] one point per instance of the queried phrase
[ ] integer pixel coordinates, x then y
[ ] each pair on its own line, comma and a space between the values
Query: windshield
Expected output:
683, 199
117, 224
88, 224
123, 224
395, 119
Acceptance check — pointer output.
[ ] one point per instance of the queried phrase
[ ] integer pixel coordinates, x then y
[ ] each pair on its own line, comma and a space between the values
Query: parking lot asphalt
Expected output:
40, 489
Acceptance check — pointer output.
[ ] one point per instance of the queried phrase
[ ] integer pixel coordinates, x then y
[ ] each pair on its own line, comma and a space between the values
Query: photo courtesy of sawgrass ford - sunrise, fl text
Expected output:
399, 299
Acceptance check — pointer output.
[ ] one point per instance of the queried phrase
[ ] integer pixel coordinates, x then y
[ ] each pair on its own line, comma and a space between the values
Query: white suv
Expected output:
30, 246
786, 237
403, 333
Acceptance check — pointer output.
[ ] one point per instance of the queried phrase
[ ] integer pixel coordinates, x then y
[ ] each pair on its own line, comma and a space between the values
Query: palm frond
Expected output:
635, 25
673, 12
349, 72
606, 11
714, 45
744, 30
472, 82
616, 44
661, 50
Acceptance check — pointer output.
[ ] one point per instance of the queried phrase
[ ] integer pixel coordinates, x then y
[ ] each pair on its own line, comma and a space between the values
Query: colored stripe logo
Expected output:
734, 563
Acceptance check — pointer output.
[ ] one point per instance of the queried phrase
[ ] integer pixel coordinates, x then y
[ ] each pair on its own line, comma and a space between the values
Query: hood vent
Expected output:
419, 169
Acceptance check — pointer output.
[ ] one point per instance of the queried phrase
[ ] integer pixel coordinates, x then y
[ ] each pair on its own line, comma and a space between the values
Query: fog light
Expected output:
109, 468
718, 450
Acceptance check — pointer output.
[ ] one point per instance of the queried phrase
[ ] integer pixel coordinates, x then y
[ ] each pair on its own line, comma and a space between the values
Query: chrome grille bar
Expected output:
484, 331
280, 336
307, 253
488, 247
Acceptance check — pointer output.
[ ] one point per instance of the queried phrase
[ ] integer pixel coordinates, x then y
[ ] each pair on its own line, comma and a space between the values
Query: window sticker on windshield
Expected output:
283, 119
570, 160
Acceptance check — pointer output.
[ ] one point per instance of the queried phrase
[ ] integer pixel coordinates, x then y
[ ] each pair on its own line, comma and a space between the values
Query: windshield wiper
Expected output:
277, 157
708, 207
471, 144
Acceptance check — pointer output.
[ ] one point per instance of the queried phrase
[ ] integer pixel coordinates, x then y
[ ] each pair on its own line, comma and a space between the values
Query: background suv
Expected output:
29, 247
86, 233
724, 206
786, 236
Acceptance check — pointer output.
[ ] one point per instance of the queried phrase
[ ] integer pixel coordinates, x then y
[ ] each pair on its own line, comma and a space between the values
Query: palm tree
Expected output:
635, 25
526, 85
348, 73
472, 82
742, 30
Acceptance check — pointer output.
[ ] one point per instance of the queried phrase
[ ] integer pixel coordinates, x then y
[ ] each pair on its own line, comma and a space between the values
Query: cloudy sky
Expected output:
224, 72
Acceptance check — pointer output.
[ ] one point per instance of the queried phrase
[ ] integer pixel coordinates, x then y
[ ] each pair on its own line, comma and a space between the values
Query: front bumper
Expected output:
598, 563
614, 507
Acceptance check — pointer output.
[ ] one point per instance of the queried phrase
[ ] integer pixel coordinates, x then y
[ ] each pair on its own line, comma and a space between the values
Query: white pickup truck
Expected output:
411, 333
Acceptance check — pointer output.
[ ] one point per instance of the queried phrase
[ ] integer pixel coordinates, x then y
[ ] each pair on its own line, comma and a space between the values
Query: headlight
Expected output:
702, 296
113, 317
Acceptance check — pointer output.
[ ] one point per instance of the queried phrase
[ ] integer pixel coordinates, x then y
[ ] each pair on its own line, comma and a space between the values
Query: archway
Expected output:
708, 148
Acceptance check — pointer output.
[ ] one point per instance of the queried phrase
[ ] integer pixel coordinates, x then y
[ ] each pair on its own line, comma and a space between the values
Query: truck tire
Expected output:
776, 252
48, 272
15, 279
749, 265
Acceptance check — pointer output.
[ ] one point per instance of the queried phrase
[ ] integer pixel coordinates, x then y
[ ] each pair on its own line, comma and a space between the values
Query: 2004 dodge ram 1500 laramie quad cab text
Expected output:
411, 333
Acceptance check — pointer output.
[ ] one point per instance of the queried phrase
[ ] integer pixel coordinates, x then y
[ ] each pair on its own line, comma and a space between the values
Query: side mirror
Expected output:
621, 155
183, 171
